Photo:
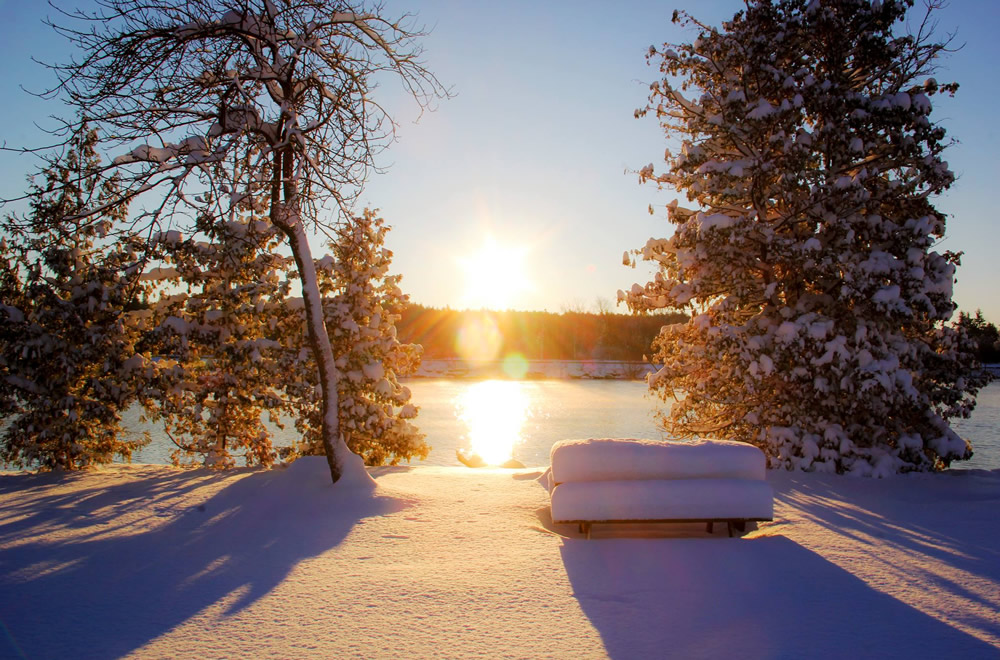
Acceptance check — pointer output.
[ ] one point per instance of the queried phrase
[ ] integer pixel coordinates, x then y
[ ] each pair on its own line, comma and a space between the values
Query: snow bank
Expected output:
313, 472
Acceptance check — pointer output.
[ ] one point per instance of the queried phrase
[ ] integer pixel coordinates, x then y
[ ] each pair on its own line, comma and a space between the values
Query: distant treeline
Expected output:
446, 333
984, 335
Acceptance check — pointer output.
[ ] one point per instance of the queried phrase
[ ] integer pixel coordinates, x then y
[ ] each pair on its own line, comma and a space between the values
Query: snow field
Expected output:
454, 563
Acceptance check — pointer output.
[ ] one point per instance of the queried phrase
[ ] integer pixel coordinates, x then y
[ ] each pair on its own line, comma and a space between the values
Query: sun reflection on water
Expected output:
494, 411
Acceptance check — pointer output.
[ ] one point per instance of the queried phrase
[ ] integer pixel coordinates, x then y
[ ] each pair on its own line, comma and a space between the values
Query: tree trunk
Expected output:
287, 216
319, 341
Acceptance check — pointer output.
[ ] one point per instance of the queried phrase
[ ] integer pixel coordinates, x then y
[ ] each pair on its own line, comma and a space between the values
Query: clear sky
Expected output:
527, 176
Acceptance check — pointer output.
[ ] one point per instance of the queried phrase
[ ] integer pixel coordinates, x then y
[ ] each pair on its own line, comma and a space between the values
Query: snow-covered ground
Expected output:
152, 561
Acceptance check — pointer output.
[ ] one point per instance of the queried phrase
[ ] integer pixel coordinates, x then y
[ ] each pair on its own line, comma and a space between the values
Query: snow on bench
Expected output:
617, 480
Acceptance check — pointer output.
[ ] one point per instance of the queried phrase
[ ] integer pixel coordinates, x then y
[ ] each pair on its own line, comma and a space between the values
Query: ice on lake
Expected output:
524, 418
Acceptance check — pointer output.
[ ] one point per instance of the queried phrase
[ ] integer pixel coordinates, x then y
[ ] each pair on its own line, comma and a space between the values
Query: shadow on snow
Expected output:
120, 592
688, 595
762, 598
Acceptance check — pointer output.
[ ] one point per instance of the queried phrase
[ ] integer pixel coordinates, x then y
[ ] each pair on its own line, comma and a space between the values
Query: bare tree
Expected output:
231, 106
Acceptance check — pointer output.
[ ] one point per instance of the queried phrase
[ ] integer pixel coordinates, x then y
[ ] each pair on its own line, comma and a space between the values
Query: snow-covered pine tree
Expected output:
362, 302
221, 338
819, 301
69, 364
283, 87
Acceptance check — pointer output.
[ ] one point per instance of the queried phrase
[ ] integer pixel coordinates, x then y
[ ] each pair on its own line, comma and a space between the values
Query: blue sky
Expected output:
538, 147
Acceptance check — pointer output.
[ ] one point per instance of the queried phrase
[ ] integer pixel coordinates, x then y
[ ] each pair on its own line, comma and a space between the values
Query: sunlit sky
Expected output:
520, 191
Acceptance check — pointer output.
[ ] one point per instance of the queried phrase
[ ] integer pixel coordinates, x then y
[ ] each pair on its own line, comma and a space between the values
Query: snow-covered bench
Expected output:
615, 480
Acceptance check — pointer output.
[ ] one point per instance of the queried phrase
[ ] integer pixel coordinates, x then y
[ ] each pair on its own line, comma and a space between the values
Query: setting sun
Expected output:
494, 275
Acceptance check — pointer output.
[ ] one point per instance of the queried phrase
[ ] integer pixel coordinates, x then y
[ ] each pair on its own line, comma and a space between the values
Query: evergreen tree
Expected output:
223, 337
984, 335
69, 364
820, 305
285, 89
362, 303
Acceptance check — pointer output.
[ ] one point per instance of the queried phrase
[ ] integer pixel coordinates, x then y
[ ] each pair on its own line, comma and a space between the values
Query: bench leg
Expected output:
730, 526
585, 529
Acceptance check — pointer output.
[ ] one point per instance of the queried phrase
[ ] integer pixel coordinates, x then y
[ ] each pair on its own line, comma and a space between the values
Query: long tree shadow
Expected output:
949, 516
762, 598
118, 591
48, 500
942, 532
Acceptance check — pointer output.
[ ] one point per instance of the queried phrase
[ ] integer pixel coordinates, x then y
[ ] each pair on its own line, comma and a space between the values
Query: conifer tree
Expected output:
984, 336
820, 303
222, 333
362, 303
284, 88
69, 364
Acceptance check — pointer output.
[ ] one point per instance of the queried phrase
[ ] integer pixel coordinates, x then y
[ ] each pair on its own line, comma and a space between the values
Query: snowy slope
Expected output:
151, 561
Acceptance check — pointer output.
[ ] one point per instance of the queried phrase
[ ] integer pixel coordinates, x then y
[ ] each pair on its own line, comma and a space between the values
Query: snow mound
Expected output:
609, 459
312, 473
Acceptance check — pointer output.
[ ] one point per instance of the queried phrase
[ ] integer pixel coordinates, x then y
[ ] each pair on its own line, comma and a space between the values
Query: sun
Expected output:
494, 275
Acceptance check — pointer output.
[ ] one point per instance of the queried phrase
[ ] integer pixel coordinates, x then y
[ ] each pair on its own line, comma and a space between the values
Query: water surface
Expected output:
524, 418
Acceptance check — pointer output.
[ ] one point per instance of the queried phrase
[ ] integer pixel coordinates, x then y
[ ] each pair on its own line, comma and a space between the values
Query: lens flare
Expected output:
494, 411
515, 366
479, 339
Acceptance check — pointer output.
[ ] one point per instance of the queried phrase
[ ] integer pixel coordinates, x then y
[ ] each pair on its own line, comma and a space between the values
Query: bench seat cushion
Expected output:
616, 459
679, 499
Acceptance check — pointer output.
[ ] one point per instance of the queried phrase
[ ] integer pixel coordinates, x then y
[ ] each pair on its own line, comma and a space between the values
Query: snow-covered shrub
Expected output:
361, 303
820, 306
69, 364
221, 339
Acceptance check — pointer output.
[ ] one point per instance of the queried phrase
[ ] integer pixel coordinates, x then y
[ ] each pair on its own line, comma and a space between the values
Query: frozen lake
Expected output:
526, 417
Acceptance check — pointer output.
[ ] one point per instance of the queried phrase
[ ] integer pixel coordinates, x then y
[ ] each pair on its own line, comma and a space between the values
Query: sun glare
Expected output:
494, 411
494, 276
